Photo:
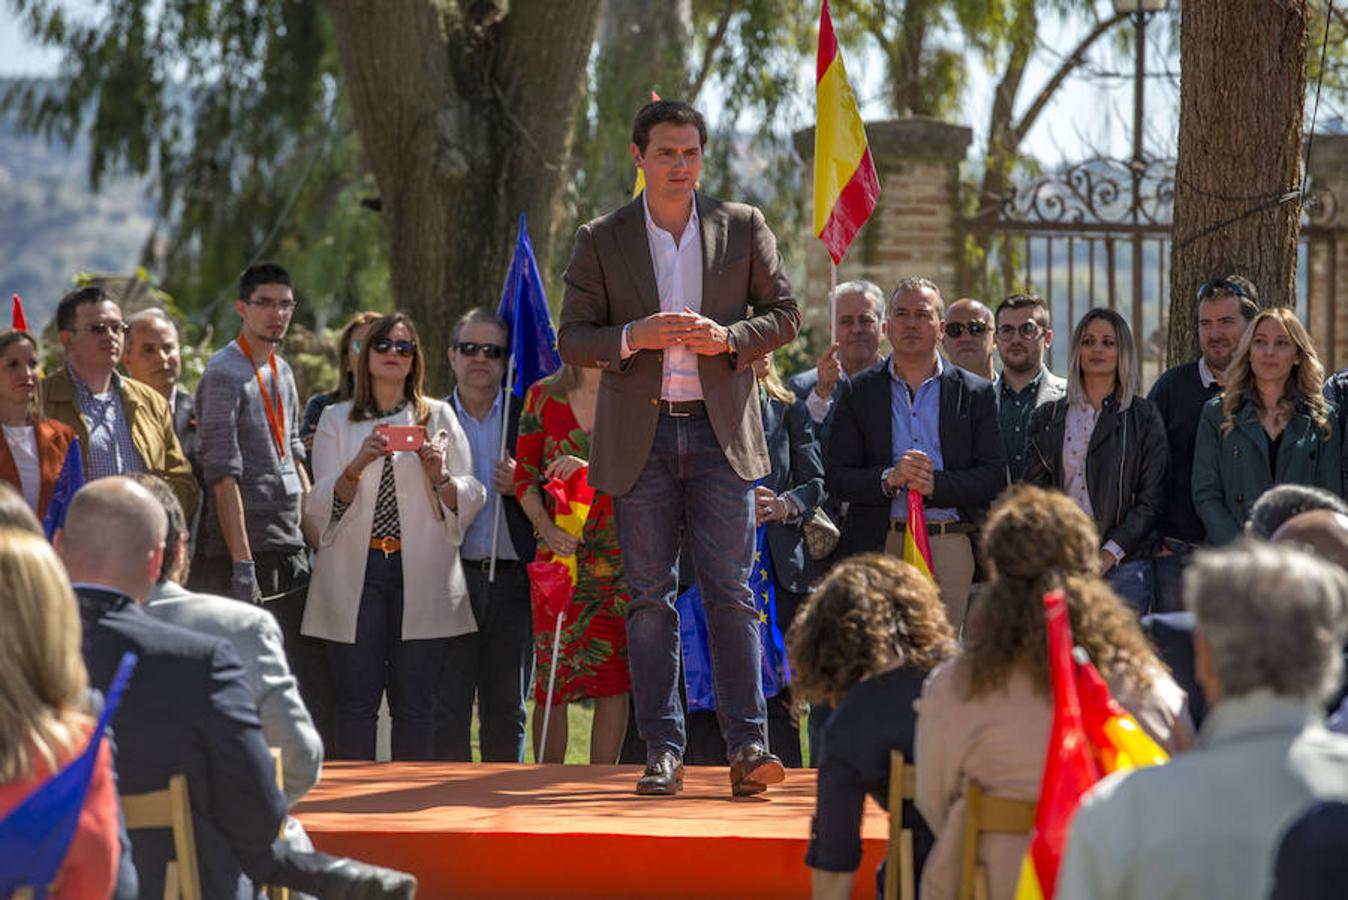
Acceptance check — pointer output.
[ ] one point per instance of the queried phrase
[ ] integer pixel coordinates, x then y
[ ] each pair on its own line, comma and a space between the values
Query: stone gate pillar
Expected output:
914, 229
1327, 250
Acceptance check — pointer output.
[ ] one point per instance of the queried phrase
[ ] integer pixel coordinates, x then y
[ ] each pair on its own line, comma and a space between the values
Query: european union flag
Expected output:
693, 634
70, 480
533, 343
36, 834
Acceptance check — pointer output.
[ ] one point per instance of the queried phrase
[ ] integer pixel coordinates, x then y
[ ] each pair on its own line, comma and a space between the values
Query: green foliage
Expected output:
234, 110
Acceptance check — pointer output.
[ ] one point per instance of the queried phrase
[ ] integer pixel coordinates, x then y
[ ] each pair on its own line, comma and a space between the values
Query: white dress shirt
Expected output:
678, 281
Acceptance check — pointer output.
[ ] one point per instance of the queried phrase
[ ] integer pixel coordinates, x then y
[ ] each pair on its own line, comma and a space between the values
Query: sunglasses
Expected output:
473, 348
403, 348
285, 306
102, 328
975, 328
1027, 330
1221, 287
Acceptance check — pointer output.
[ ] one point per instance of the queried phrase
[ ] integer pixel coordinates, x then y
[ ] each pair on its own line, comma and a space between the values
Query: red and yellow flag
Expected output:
916, 549
641, 176
573, 497
846, 187
16, 317
1092, 736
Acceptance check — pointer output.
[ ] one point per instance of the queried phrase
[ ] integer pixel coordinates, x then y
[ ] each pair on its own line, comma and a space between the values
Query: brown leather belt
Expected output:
684, 408
937, 527
388, 545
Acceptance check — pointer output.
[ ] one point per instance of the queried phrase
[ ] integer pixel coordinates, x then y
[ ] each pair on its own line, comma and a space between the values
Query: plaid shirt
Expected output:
111, 450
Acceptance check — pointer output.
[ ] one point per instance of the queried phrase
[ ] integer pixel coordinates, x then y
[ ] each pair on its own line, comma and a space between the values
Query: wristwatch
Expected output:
884, 483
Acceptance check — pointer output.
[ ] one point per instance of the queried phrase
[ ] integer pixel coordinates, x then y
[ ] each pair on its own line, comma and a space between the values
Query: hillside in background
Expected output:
52, 225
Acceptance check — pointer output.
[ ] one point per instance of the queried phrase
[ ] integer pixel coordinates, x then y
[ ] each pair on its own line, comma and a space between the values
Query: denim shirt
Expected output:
915, 418
484, 440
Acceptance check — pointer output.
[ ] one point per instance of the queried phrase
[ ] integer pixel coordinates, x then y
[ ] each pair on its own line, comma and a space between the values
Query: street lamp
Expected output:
1140, 10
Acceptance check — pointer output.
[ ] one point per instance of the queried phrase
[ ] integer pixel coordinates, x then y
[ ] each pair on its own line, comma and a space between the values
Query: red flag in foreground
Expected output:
17, 320
846, 187
1092, 736
916, 549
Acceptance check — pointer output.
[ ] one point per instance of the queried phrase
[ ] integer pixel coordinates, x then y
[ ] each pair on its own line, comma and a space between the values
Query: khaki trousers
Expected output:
952, 559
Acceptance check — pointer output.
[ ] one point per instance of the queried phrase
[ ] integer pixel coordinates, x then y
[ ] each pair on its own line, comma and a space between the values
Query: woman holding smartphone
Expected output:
393, 495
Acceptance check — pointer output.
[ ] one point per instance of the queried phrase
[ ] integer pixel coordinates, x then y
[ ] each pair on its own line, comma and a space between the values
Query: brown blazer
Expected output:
151, 431
610, 281
53, 440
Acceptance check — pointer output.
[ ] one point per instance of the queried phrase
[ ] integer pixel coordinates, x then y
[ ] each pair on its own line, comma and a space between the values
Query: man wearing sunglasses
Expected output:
656, 295
123, 426
1022, 335
1225, 307
967, 337
495, 663
250, 545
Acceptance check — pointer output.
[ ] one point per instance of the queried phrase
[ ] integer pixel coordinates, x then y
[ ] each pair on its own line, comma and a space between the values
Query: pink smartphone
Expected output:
403, 437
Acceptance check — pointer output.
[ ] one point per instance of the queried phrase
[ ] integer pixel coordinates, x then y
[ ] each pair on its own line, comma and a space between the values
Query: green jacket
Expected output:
1231, 471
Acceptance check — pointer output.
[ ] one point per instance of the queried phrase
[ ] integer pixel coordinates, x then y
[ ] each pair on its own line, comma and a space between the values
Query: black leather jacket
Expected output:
1125, 468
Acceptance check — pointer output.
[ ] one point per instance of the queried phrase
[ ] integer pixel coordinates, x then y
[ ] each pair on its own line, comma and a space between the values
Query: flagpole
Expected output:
552, 680
505, 426
832, 303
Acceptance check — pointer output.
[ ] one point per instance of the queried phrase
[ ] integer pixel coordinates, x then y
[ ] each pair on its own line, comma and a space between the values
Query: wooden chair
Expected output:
169, 808
273, 892
984, 814
899, 865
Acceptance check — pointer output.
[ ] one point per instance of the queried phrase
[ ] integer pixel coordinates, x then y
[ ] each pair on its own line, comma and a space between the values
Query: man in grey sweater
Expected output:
250, 545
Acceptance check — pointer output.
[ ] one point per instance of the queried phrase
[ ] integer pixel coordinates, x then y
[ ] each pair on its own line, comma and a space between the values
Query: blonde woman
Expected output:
43, 725
388, 588
1270, 425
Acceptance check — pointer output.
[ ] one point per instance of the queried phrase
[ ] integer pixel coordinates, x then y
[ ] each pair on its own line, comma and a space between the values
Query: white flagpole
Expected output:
505, 426
832, 302
552, 680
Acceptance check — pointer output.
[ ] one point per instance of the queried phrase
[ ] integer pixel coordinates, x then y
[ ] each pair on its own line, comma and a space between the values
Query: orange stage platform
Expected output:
573, 831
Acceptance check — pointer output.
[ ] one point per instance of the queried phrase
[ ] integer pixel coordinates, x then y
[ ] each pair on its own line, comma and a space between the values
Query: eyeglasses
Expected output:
284, 306
102, 328
473, 348
403, 348
1221, 287
975, 328
1027, 330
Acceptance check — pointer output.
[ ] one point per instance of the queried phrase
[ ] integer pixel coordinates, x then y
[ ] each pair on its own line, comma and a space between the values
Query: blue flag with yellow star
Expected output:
697, 651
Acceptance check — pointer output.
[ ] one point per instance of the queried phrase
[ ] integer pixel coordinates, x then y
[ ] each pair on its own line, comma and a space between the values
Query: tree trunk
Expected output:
467, 114
1238, 177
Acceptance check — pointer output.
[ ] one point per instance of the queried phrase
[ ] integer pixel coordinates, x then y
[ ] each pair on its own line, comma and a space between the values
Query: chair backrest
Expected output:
984, 814
170, 808
275, 892
899, 865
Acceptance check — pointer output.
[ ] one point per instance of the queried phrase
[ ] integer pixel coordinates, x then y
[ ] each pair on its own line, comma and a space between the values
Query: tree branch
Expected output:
1074, 59
713, 47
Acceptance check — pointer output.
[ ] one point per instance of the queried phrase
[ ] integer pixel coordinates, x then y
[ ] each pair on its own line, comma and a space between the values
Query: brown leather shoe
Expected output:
663, 775
753, 769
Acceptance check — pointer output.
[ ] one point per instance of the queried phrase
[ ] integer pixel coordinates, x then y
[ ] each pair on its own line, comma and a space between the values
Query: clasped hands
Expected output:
914, 471
695, 331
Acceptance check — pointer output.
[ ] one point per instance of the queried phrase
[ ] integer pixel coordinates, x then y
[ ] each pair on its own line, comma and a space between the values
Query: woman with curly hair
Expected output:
986, 714
864, 641
1270, 425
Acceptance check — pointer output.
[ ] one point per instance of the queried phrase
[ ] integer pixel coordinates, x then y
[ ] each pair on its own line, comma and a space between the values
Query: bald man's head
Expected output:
114, 536
968, 336
1323, 532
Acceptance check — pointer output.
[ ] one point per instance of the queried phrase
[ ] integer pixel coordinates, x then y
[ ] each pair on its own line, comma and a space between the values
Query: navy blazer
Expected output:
188, 710
797, 471
1172, 634
517, 523
860, 449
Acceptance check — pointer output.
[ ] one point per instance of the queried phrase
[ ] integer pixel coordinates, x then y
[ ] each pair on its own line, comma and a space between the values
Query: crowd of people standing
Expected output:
304, 564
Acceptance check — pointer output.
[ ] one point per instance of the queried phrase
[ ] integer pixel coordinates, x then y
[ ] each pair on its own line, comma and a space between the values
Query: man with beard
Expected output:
1022, 334
967, 339
1225, 307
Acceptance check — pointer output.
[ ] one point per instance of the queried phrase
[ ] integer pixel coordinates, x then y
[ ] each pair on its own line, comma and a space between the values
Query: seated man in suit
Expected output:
256, 637
916, 423
187, 710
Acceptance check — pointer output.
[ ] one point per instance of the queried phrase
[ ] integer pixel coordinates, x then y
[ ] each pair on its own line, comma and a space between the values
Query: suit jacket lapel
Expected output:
636, 254
712, 233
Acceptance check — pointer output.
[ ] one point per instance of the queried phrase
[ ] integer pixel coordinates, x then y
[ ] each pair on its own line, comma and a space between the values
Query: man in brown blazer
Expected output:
657, 295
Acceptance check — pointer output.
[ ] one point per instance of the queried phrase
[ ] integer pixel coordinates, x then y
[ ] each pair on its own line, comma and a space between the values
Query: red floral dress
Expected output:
592, 661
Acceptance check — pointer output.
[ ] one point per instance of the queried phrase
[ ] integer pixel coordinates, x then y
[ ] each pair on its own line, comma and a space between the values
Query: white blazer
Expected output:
435, 594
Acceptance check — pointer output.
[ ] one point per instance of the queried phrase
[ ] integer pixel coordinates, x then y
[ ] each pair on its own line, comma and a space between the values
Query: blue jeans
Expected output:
687, 485
495, 663
1132, 582
1169, 575
380, 660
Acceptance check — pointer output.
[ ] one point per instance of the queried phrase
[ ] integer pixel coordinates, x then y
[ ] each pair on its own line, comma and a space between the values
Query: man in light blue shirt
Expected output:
495, 663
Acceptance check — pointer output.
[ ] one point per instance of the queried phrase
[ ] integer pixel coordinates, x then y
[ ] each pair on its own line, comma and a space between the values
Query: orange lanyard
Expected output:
274, 418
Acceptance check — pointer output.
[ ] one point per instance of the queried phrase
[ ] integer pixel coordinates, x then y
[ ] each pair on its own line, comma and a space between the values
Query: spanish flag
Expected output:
1092, 737
573, 497
916, 549
846, 187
